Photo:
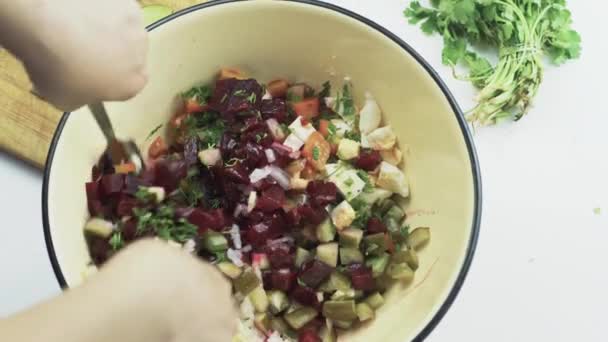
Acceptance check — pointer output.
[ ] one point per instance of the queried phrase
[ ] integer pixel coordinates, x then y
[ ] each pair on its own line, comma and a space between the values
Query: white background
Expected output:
540, 272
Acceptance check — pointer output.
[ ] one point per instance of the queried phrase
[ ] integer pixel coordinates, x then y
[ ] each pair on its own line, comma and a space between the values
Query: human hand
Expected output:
80, 51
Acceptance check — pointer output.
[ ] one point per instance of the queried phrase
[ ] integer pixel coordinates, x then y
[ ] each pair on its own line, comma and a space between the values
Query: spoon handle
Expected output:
101, 116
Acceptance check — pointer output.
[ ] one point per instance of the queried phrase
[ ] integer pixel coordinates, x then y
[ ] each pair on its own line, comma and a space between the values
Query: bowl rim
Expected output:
475, 170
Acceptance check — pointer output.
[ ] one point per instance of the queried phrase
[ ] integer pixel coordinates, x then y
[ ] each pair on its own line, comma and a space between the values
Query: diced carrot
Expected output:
324, 127
125, 168
192, 106
316, 150
278, 88
157, 148
226, 73
308, 172
308, 108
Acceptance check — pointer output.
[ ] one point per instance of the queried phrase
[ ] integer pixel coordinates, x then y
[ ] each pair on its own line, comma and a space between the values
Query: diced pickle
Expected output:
340, 310
344, 324
278, 301
328, 334
300, 317
246, 282
400, 272
419, 237
385, 206
364, 312
336, 281
326, 231
302, 256
375, 300
378, 264
344, 294
214, 242
378, 239
409, 257
392, 225
229, 269
351, 238
350, 256
383, 282
279, 325
328, 253
259, 299
395, 212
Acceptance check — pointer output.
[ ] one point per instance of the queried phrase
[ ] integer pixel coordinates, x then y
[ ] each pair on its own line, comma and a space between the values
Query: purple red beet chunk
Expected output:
258, 234
132, 184
129, 229
191, 152
368, 160
293, 217
97, 209
267, 280
252, 155
92, 189
125, 206
305, 296
375, 225
169, 172
314, 272
275, 108
112, 184
213, 219
280, 255
237, 174
271, 199
99, 249
233, 96
312, 214
361, 277
313, 326
283, 279
322, 193
309, 336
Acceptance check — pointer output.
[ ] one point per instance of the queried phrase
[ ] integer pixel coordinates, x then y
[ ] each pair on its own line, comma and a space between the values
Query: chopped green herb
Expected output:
208, 127
345, 104
326, 91
152, 132
116, 241
224, 98
252, 98
219, 257
260, 136
162, 223
144, 196
191, 189
232, 162
291, 97
239, 92
365, 177
353, 135
200, 94
215, 203
315, 153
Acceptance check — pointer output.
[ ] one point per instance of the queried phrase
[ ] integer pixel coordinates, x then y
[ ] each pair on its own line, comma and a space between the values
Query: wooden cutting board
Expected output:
27, 124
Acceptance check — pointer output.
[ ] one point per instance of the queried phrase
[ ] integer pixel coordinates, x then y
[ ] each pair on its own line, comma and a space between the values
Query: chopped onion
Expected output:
235, 256
252, 201
259, 174
235, 234
295, 155
275, 129
330, 101
239, 209
285, 239
189, 246
270, 156
280, 176
246, 249
281, 149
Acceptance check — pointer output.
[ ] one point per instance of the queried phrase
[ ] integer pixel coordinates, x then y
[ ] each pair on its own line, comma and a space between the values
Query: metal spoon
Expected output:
118, 150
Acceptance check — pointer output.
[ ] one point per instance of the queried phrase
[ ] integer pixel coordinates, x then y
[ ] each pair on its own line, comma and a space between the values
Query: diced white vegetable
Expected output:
275, 129
293, 142
235, 235
365, 142
392, 156
341, 127
370, 115
343, 215
375, 195
99, 227
267, 95
239, 209
252, 201
189, 246
348, 149
346, 179
270, 155
301, 131
393, 179
329, 102
158, 192
280, 176
259, 174
235, 256
210, 156
298, 183
382, 138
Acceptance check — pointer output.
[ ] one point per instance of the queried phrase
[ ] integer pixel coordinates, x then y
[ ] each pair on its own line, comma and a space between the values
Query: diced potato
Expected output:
348, 182
365, 142
393, 179
210, 157
226, 73
293, 142
382, 138
348, 149
297, 183
343, 215
99, 227
392, 156
301, 131
158, 192
370, 115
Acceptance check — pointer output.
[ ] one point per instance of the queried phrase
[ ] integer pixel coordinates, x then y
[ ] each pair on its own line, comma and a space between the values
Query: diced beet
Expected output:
275, 108
97, 209
293, 217
305, 296
258, 234
281, 150
233, 96
169, 172
368, 160
361, 277
375, 225
213, 219
132, 184
99, 248
322, 193
264, 183
125, 206
283, 279
271, 199
228, 145
255, 216
312, 214
112, 184
267, 280
280, 255
309, 335
191, 151
237, 174
104, 166
129, 229
314, 272
92, 189
252, 154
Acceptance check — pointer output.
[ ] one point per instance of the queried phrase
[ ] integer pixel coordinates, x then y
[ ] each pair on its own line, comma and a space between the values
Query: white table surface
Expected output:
539, 272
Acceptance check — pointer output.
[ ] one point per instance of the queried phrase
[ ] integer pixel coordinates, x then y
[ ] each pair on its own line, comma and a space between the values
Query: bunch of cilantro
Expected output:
522, 31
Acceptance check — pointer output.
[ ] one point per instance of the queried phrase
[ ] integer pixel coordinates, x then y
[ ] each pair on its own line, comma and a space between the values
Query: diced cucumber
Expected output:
350, 256
384, 282
279, 325
344, 294
328, 334
359, 294
364, 312
259, 299
99, 227
336, 281
408, 256
299, 318
344, 324
378, 264
214, 242
229, 269
395, 212
419, 237
293, 306
400, 272
392, 225
385, 206
246, 282
326, 231
378, 240
262, 322
375, 195
302, 256
351, 237
328, 253
375, 300
343, 310
278, 301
